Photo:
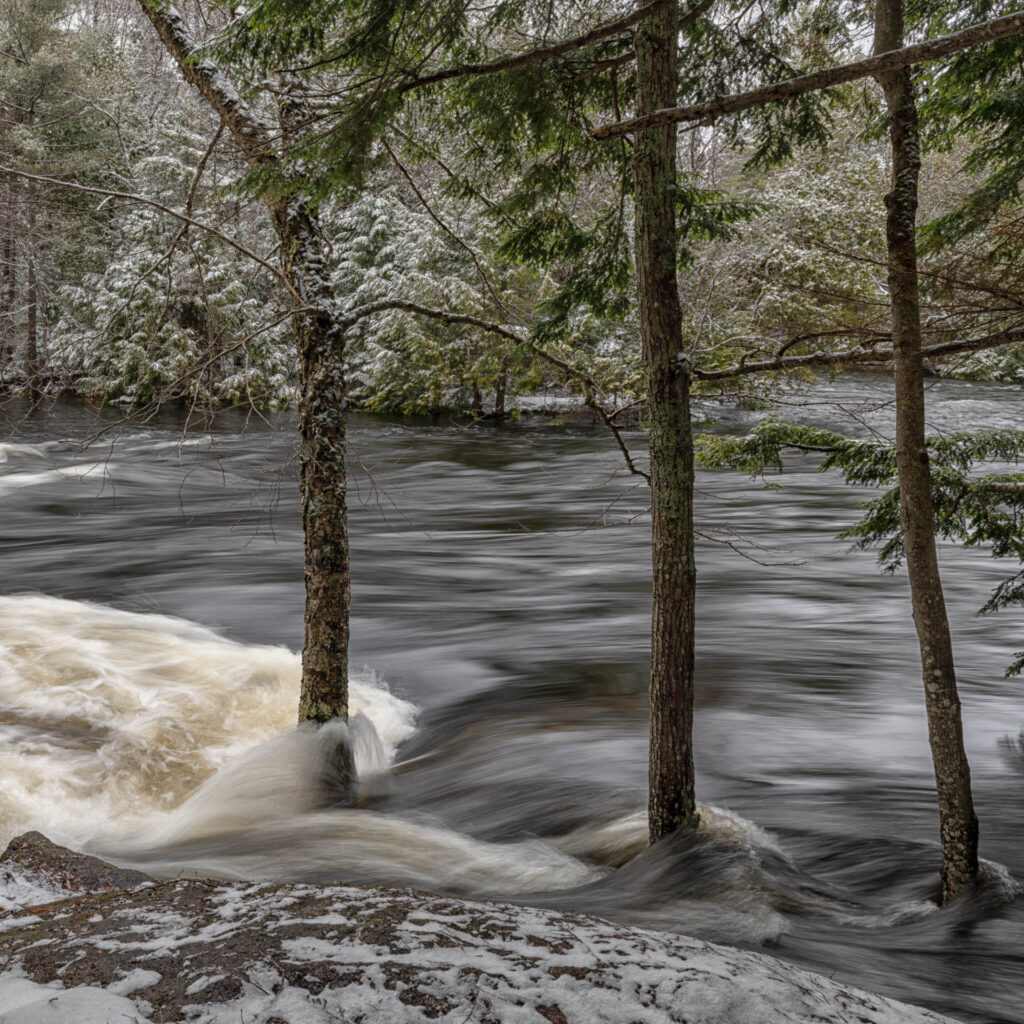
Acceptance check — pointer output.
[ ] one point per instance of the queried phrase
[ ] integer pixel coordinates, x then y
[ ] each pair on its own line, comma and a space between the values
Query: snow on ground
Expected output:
21, 888
304, 954
24, 1002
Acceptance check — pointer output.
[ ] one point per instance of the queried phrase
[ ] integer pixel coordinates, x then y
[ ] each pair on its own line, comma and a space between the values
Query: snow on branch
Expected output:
247, 128
145, 201
777, 92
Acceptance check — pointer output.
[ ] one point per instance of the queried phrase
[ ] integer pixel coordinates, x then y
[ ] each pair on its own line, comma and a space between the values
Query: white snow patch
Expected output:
462, 957
133, 981
25, 1002
404, 958
200, 983
19, 888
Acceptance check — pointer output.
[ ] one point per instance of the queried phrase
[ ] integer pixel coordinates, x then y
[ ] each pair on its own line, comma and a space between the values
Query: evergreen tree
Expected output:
52, 77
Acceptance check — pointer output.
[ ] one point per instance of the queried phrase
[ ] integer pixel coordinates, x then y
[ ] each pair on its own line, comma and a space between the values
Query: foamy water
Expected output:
111, 719
156, 742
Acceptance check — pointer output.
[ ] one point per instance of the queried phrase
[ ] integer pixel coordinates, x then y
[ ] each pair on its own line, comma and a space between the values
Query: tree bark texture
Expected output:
672, 801
499, 394
322, 415
9, 289
320, 338
32, 366
958, 824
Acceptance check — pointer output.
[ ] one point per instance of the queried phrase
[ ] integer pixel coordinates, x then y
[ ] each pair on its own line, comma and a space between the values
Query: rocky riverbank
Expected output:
83, 942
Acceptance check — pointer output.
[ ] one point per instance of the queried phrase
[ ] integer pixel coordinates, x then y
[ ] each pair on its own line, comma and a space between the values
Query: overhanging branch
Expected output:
543, 54
587, 383
863, 357
933, 49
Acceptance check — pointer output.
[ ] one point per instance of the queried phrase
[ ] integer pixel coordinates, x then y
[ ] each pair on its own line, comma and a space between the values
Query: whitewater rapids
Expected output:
153, 739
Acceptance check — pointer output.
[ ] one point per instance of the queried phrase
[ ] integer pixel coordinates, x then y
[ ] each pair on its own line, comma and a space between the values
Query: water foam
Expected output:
12, 481
109, 719
9, 451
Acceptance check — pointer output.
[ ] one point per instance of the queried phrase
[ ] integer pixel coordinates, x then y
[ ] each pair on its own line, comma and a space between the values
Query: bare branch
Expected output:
144, 201
863, 356
450, 232
944, 46
980, 344
589, 388
353, 316
1009, 490
587, 383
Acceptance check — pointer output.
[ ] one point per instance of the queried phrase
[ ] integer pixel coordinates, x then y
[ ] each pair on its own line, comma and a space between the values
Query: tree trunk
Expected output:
32, 322
31, 295
322, 406
322, 415
499, 395
9, 289
672, 802
958, 824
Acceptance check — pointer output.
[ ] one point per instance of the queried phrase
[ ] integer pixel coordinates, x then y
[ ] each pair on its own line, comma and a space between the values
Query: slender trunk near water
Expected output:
958, 824
9, 289
499, 395
32, 323
32, 295
672, 801
322, 416
320, 340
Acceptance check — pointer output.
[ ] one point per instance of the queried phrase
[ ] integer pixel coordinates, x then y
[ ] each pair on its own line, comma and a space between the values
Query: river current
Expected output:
151, 608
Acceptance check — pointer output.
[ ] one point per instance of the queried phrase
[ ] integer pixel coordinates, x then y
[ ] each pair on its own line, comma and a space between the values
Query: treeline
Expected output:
112, 294
411, 204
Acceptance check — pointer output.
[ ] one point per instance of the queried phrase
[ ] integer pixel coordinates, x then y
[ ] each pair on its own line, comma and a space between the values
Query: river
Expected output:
151, 605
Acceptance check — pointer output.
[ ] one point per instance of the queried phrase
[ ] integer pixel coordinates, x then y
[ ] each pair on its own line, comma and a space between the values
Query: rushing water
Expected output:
152, 601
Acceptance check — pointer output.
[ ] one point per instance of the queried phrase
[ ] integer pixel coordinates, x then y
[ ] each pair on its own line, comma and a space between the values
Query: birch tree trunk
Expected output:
672, 800
958, 824
322, 406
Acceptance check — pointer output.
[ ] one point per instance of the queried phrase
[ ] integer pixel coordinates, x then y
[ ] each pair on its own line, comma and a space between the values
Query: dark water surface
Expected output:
501, 587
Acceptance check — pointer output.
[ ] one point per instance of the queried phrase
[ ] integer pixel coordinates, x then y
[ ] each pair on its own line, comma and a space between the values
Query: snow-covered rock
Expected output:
34, 871
314, 954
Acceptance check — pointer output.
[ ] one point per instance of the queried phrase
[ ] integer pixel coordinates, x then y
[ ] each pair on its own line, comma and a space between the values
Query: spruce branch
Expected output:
146, 201
779, 92
543, 54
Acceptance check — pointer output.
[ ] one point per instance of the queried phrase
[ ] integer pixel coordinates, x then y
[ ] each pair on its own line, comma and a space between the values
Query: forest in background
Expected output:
112, 295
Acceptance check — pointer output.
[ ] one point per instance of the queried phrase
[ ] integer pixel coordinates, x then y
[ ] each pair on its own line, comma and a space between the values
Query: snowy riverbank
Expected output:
313, 954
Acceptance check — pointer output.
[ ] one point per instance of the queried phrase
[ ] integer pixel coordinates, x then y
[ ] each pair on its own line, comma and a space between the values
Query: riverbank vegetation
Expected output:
110, 294
420, 205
